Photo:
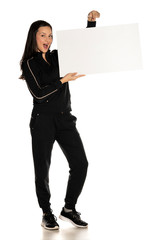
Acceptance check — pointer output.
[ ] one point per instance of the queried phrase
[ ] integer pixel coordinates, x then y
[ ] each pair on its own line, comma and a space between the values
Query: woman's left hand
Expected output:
93, 15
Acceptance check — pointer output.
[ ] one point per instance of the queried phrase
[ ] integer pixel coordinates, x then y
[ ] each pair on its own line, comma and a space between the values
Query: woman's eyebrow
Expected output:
45, 33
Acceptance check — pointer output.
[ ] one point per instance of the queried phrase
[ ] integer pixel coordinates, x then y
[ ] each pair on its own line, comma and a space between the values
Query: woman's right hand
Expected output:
71, 77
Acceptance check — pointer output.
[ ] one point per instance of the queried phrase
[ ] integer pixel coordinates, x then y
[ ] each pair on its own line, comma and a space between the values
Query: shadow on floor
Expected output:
70, 233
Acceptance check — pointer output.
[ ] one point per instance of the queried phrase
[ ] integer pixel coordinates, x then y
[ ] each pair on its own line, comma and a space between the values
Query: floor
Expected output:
66, 233
109, 227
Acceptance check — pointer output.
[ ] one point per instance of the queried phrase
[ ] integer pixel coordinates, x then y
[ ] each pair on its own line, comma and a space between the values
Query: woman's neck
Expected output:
44, 57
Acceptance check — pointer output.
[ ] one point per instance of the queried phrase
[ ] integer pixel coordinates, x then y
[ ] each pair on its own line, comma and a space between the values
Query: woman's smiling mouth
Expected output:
45, 46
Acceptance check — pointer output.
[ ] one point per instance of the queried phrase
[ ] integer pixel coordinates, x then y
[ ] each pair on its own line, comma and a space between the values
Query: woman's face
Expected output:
44, 39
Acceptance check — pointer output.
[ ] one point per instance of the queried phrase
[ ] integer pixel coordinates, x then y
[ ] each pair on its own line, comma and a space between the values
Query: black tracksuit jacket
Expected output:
43, 81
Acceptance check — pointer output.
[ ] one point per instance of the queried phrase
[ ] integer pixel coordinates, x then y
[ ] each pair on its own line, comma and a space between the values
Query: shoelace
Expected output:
76, 214
51, 216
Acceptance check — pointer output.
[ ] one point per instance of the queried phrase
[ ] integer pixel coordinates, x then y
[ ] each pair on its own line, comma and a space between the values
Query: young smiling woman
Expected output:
44, 40
51, 120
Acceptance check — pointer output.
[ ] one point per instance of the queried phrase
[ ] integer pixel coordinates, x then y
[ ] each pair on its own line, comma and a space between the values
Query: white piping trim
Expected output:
32, 72
40, 97
37, 83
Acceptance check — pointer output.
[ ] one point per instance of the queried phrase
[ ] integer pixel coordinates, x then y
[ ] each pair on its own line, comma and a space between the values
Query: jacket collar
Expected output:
39, 54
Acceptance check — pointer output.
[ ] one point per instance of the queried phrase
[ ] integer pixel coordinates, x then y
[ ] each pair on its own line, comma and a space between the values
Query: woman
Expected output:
51, 120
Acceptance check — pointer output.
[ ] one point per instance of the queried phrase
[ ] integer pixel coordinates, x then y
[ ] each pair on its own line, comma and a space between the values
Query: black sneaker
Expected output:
49, 221
73, 217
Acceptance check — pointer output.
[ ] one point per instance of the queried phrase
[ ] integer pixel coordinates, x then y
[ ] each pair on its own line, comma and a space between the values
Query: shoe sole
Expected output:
69, 220
55, 228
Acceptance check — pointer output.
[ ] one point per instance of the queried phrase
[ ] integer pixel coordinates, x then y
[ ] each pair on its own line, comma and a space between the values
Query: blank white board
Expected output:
99, 49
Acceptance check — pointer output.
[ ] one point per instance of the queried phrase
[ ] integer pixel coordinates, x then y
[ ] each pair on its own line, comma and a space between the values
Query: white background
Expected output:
118, 119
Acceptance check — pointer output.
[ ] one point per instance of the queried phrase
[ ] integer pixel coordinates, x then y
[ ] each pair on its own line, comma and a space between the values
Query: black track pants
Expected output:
45, 129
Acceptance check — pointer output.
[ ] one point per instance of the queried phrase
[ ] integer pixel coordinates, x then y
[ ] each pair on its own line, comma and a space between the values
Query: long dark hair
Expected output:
31, 45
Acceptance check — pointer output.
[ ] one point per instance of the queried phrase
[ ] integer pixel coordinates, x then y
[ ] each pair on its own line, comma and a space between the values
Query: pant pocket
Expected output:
33, 120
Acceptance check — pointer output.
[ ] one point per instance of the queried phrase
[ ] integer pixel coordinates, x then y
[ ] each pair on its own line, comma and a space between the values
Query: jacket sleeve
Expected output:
32, 76
91, 24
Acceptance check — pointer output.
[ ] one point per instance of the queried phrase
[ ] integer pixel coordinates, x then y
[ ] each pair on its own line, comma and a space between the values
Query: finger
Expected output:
80, 75
90, 15
96, 14
73, 74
